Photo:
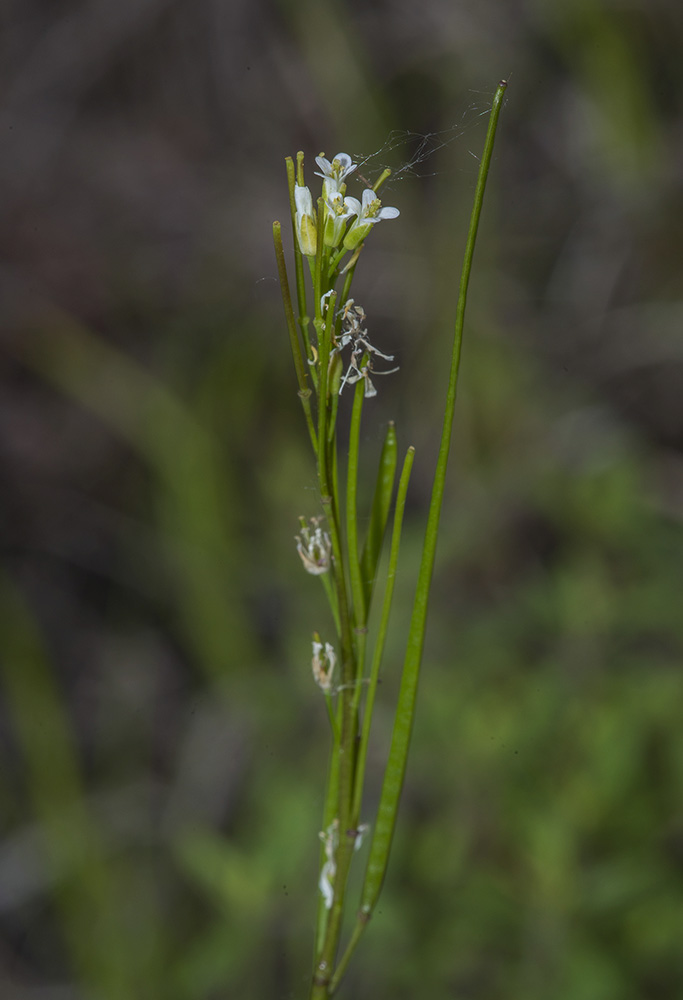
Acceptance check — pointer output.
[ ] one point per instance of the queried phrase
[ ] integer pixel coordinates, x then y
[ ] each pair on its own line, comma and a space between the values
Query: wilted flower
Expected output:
368, 214
355, 374
354, 333
314, 546
306, 229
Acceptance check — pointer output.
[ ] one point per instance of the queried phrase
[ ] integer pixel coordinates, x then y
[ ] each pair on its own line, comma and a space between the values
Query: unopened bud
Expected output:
306, 227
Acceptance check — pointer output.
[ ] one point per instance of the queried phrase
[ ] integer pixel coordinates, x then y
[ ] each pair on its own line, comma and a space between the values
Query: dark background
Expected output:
163, 745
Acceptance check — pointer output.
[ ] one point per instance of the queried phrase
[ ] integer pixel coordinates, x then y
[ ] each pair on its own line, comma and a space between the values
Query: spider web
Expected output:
423, 146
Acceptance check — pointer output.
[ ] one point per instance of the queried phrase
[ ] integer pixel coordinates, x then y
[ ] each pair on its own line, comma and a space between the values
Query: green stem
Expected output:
356, 934
332, 599
299, 366
335, 260
381, 179
329, 812
379, 514
363, 918
345, 752
383, 628
352, 508
323, 966
298, 256
346, 287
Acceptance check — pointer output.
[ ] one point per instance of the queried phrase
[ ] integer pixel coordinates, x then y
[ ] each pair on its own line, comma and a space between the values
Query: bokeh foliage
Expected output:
160, 734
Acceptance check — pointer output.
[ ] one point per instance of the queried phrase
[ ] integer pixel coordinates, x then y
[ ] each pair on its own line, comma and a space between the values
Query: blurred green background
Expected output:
163, 745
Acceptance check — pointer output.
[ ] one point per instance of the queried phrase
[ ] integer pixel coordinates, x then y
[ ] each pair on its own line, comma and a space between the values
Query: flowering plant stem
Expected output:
347, 569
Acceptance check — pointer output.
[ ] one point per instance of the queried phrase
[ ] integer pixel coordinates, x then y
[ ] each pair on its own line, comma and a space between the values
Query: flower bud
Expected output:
356, 235
335, 372
337, 211
306, 227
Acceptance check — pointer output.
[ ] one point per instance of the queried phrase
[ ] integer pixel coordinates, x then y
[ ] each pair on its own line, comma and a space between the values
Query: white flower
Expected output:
339, 209
333, 173
306, 229
323, 663
368, 214
314, 547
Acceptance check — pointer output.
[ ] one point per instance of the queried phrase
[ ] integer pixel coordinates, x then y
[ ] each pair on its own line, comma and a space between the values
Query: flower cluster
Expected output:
338, 209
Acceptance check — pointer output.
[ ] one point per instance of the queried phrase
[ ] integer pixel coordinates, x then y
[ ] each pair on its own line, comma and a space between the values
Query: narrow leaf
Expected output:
405, 711
379, 514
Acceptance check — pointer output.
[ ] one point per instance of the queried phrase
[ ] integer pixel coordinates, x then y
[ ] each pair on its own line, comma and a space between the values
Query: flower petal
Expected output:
368, 196
303, 200
353, 205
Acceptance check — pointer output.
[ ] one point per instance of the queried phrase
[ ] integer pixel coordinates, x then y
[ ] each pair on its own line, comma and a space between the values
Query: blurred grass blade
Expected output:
86, 895
196, 498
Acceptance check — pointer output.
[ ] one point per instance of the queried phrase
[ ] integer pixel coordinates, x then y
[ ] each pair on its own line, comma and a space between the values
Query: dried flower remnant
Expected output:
314, 546
323, 663
325, 301
354, 333
330, 839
